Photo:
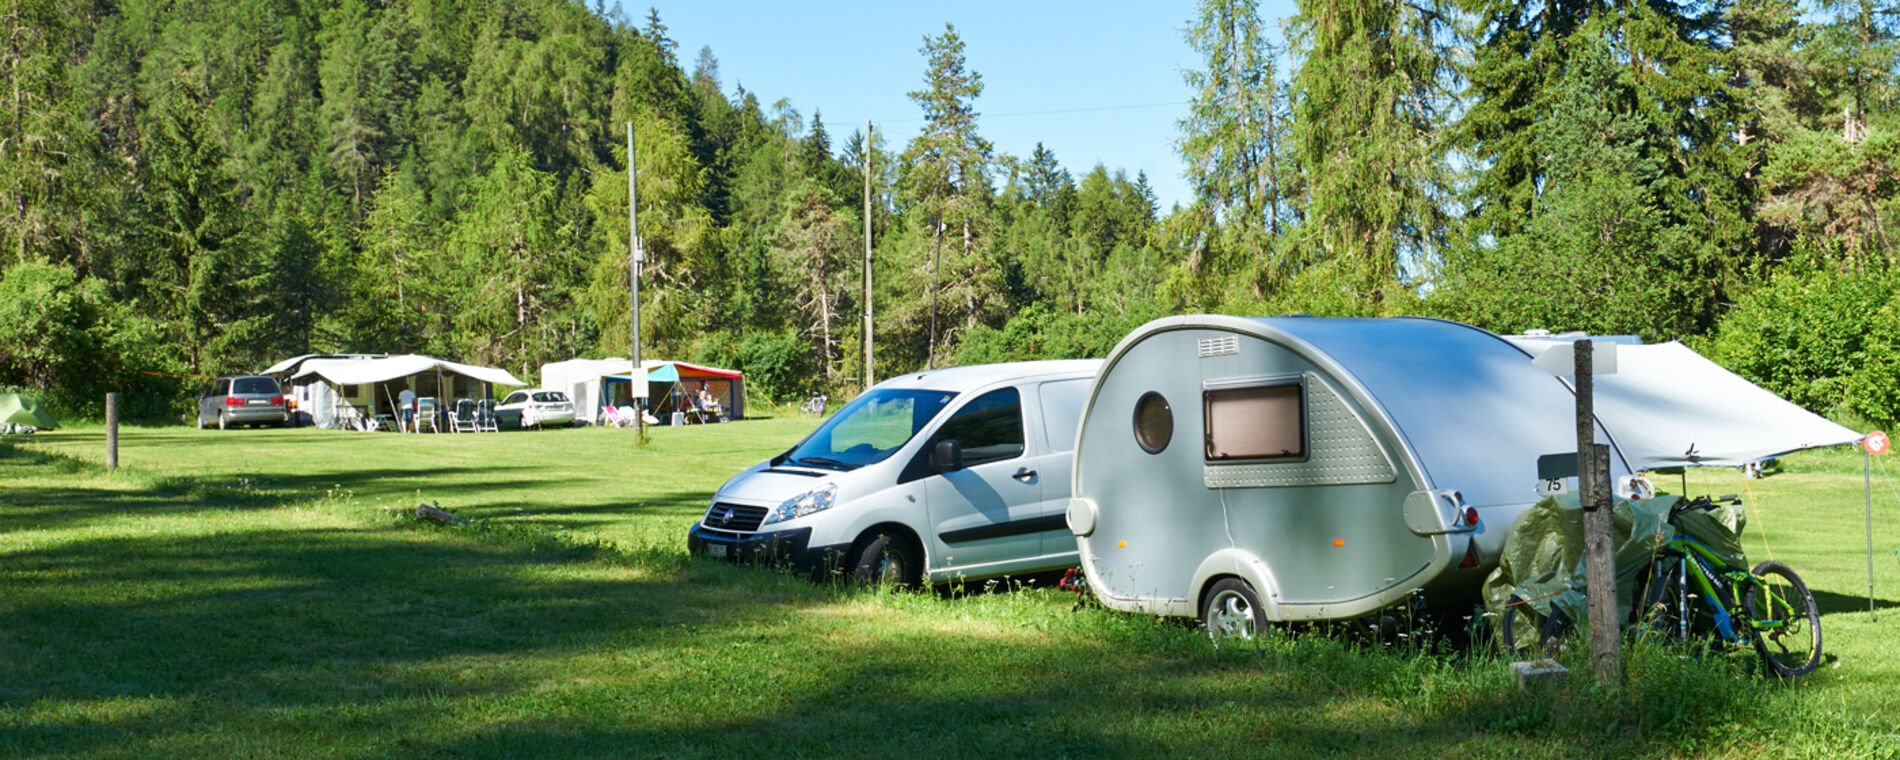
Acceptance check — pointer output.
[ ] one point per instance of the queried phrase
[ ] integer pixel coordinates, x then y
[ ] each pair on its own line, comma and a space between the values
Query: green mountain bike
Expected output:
1690, 592
1694, 591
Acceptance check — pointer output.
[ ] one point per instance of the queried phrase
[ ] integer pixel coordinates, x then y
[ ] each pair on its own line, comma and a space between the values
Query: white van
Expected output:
957, 473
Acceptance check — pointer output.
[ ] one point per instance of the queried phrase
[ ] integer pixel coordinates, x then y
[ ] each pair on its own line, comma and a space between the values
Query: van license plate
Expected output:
717, 550
257, 402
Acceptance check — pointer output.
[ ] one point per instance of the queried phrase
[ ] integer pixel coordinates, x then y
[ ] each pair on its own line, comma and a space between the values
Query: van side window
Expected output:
1259, 422
989, 429
1062, 411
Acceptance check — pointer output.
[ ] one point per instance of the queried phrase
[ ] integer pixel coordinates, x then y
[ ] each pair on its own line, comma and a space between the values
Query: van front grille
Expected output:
734, 517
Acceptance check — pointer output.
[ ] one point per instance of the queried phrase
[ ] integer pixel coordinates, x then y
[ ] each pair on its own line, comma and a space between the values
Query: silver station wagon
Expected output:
242, 400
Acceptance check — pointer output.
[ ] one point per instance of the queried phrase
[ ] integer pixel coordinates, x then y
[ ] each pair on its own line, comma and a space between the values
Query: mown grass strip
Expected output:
181, 608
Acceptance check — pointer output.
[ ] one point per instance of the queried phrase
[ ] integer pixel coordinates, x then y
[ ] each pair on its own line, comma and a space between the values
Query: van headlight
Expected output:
816, 500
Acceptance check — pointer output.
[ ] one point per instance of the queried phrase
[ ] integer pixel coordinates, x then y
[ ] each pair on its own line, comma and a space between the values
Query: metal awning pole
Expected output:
1867, 483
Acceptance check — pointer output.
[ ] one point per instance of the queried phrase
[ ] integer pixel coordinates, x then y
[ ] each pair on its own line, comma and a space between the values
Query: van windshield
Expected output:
869, 429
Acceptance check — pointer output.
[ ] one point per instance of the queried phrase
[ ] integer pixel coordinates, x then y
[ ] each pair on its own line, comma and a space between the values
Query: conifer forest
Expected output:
190, 188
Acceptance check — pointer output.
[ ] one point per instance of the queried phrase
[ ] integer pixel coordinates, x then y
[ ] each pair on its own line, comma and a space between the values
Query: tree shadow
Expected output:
256, 618
1829, 603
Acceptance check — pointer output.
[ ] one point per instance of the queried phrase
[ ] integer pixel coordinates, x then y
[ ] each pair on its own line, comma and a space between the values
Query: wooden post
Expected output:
112, 431
1593, 481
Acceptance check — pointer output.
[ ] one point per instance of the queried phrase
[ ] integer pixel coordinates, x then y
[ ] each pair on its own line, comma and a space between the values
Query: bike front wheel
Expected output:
1783, 620
1525, 631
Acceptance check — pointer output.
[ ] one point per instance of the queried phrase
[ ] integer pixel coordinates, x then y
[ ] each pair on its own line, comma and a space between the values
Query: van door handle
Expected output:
1024, 474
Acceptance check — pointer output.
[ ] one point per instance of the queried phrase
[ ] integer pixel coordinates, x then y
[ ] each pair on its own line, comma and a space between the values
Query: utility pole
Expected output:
936, 262
635, 257
870, 375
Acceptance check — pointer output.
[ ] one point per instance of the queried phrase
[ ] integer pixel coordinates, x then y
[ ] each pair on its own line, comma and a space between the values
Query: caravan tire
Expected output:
1231, 610
885, 557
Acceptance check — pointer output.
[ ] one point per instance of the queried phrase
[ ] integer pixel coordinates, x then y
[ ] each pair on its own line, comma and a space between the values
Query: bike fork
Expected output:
1682, 601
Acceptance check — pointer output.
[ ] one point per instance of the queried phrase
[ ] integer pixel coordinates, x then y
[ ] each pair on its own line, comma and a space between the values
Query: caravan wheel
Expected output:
1232, 610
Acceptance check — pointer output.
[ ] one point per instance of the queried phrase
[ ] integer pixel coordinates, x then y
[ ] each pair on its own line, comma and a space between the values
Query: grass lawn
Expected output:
264, 593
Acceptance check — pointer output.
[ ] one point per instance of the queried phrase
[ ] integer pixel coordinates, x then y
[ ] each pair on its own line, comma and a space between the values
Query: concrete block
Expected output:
1539, 673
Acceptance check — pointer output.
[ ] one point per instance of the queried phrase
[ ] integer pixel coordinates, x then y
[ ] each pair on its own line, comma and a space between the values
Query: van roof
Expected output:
960, 379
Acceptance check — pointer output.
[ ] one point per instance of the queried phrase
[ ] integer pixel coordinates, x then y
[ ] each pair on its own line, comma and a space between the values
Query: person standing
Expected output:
407, 399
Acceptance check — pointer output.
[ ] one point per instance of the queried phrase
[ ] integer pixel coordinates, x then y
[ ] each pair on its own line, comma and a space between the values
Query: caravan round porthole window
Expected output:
1154, 422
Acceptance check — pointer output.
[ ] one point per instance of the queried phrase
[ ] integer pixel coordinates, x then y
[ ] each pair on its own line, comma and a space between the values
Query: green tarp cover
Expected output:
16, 409
1543, 555
1720, 529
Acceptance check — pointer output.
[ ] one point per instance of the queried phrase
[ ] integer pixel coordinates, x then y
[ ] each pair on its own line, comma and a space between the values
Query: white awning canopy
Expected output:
360, 371
1667, 406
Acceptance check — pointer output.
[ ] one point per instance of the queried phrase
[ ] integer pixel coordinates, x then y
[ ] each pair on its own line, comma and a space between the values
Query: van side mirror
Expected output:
947, 456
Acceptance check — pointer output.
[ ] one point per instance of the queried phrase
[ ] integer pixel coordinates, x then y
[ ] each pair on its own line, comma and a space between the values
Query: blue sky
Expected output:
1093, 82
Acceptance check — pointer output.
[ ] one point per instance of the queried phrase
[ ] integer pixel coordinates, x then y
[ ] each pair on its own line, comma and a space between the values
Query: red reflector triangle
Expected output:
1471, 555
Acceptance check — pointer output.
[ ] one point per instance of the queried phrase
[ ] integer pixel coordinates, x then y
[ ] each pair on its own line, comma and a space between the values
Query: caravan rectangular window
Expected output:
1257, 422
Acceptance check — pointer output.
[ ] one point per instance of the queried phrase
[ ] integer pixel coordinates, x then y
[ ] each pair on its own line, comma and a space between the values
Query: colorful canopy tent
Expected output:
1667, 406
18, 411
346, 391
670, 386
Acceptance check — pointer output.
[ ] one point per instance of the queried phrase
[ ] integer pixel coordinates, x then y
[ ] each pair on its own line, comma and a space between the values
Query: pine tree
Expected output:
1371, 91
194, 260
1235, 136
944, 192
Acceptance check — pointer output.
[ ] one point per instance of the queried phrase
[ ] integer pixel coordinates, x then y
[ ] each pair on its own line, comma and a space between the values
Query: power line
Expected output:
1092, 109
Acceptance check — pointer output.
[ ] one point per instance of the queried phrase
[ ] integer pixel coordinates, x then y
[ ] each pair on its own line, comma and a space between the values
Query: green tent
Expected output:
16, 409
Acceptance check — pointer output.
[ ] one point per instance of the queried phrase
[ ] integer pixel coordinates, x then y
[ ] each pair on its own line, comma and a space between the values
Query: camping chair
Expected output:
611, 416
465, 417
425, 414
485, 420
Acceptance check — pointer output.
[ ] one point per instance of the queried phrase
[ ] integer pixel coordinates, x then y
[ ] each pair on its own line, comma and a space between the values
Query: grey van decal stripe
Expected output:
1011, 528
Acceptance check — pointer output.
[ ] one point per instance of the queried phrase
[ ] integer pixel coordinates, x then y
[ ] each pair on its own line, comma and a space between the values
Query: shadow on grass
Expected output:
505, 641
266, 619
1830, 603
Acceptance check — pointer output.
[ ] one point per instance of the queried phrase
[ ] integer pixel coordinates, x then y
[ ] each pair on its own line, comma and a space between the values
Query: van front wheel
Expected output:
885, 558
1232, 610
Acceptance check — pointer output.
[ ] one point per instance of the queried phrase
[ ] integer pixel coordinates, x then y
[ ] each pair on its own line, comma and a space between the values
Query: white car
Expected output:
539, 407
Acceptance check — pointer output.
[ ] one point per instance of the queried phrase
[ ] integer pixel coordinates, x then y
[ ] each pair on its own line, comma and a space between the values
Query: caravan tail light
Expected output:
1471, 516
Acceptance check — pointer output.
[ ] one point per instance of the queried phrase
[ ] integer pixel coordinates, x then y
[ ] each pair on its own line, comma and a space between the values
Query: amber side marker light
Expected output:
1338, 542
